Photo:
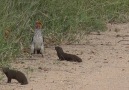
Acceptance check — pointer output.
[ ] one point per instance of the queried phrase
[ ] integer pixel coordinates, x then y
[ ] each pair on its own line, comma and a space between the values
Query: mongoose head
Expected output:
38, 25
5, 69
58, 49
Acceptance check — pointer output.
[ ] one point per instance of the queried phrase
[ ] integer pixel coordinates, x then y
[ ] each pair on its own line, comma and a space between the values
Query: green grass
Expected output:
61, 19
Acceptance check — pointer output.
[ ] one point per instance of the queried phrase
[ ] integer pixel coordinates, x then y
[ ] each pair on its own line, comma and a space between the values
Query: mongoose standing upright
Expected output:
37, 45
13, 74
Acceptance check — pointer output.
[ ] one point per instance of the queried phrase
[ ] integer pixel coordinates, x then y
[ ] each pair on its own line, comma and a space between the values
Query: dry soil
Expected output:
105, 65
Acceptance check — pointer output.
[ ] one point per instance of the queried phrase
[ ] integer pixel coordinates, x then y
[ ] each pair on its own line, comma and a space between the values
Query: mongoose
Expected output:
13, 74
65, 56
37, 45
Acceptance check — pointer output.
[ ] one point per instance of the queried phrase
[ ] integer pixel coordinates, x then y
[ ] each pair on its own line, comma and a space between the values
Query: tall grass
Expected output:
61, 19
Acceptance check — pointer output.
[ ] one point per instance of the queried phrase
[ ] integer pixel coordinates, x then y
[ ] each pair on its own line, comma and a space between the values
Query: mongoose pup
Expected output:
37, 45
65, 56
13, 74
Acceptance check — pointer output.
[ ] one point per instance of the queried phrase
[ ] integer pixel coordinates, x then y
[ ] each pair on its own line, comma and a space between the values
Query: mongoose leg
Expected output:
9, 80
42, 49
32, 49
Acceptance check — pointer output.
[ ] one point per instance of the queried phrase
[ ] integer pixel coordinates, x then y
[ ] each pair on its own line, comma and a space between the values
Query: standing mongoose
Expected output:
37, 45
64, 56
13, 74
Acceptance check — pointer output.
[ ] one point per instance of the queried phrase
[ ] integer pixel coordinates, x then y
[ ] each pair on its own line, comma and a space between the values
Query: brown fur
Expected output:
65, 56
13, 74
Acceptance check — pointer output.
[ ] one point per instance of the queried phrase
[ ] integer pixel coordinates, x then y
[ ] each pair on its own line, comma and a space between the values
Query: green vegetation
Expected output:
61, 19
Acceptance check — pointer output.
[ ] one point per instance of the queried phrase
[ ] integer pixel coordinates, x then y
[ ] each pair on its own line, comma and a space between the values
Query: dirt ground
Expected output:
105, 65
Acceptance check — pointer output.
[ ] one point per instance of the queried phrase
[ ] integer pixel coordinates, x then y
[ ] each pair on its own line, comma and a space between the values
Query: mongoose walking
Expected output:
37, 45
13, 74
65, 56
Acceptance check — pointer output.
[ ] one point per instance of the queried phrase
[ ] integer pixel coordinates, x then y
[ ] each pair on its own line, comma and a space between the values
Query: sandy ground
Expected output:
105, 65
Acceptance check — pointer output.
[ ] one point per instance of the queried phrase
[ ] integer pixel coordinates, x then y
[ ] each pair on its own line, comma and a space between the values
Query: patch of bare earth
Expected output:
105, 65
